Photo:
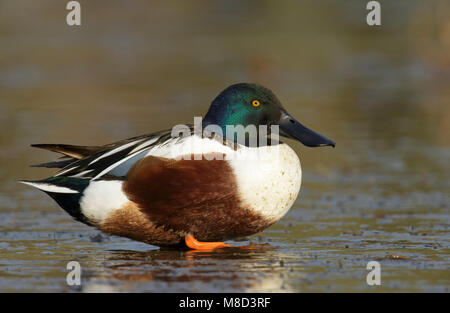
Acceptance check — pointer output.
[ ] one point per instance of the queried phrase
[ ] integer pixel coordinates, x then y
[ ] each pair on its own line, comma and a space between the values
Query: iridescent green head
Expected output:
244, 104
251, 104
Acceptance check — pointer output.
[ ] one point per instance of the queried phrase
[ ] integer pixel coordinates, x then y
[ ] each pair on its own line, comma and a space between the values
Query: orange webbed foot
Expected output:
193, 243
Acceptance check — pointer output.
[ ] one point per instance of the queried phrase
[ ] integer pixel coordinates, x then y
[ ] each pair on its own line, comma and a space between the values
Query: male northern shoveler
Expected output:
146, 189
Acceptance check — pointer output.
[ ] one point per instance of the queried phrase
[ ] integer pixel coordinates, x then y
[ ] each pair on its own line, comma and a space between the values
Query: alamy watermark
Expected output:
374, 16
373, 278
241, 139
74, 16
73, 278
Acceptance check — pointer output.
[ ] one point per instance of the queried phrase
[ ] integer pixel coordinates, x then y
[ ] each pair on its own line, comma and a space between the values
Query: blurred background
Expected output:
381, 92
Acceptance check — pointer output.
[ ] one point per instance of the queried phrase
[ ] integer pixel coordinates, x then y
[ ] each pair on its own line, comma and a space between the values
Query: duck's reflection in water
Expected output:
252, 268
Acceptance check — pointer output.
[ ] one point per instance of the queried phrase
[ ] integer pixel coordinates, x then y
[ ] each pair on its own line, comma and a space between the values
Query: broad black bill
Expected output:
291, 128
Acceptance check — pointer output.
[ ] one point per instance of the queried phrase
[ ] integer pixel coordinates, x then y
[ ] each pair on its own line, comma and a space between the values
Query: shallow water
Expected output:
381, 195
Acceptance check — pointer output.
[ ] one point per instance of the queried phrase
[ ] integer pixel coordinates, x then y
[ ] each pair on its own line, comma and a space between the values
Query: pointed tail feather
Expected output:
47, 187
76, 152
60, 163
59, 184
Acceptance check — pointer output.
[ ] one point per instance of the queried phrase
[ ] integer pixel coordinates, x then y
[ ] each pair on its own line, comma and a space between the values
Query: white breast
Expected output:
268, 179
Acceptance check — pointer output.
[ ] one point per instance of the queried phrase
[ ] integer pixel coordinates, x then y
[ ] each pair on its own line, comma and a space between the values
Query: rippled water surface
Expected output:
381, 93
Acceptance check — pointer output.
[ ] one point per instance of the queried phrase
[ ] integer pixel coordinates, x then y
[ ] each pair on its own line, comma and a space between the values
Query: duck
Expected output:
194, 186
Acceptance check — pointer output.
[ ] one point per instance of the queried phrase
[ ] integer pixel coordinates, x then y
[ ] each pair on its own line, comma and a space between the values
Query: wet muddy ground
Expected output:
381, 195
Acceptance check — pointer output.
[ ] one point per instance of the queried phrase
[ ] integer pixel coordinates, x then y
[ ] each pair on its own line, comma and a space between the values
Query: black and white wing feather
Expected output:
111, 161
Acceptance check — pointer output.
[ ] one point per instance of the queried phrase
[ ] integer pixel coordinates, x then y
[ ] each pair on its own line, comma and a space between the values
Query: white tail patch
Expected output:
49, 188
100, 198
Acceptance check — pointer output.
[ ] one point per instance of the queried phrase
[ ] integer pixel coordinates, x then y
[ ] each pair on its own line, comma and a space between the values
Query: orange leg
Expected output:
193, 243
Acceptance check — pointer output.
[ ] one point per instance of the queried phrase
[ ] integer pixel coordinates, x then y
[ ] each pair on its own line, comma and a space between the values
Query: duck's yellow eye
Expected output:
256, 103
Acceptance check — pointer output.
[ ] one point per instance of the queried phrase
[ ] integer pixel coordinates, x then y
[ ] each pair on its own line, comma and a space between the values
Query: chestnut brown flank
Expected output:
130, 222
192, 196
